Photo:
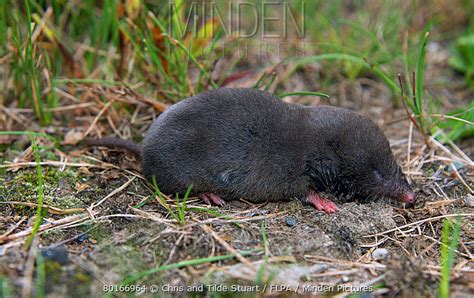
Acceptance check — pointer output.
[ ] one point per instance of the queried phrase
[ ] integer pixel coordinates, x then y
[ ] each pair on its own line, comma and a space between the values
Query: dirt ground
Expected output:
105, 226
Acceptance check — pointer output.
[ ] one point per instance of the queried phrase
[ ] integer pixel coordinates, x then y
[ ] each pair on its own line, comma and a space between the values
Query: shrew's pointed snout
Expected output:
407, 197
400, 191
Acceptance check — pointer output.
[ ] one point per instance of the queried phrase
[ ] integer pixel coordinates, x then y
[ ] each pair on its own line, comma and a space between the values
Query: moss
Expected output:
98, 232
134, 254
59, 189
126, 257
63, 202
431, 168
50, 155
80, 284
2, 190
51, 177
53, 271
77, 281
82, 277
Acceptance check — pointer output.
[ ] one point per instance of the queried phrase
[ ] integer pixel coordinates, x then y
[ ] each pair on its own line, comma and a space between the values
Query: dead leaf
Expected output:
7, 139
133, 8
81, 187
73, 137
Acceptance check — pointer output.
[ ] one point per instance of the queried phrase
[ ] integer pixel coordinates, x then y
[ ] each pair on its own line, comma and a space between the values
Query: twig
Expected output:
467, 161
332, 273
57, 164
52, 210
419, 222
455, 170
228, 247
14, 227
409, 147
153, 217
460, 152
173, 250
57, 109
373, 265
375, 244
102, 111
43, 227
438, 242
115, 191
246, 219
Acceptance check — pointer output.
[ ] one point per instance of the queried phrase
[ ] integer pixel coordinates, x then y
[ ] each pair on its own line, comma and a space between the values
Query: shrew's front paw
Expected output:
322, 204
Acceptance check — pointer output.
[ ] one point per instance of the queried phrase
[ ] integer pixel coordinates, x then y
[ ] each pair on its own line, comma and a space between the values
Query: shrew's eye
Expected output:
378, 176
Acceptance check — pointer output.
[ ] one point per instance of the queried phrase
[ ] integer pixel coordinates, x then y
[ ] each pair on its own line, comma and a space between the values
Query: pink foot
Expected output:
211, 199
321, 204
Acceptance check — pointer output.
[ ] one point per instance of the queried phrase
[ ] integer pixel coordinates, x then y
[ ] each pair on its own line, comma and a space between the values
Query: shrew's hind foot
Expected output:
211, 199
322, 204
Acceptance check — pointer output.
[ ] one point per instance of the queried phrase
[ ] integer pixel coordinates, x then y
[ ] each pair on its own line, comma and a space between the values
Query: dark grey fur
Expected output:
245, 143
128, 145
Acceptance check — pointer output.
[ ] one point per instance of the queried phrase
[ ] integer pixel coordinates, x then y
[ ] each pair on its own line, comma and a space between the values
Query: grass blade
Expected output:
30, 133
419, 78
391, 84
40, 276
39, 210
262, 268
181, 264
5, 290
448, 253
162, 200
303, 93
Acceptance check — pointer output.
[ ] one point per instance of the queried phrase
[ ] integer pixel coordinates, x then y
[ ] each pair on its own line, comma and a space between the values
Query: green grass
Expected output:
30, 134
170, 58
462, 59
130, 43
39, 209
260, 277
363, 62
449, 243
425, 110
158, 58
143, 202
415, 100
456, 124
40, 276
5, 289
25, 69
133, 278
303, 93
367, 42
115, 36
179, 214
181, 208
417, 107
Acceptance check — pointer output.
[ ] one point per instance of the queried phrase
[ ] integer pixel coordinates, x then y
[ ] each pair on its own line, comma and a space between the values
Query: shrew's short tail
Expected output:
131, 146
